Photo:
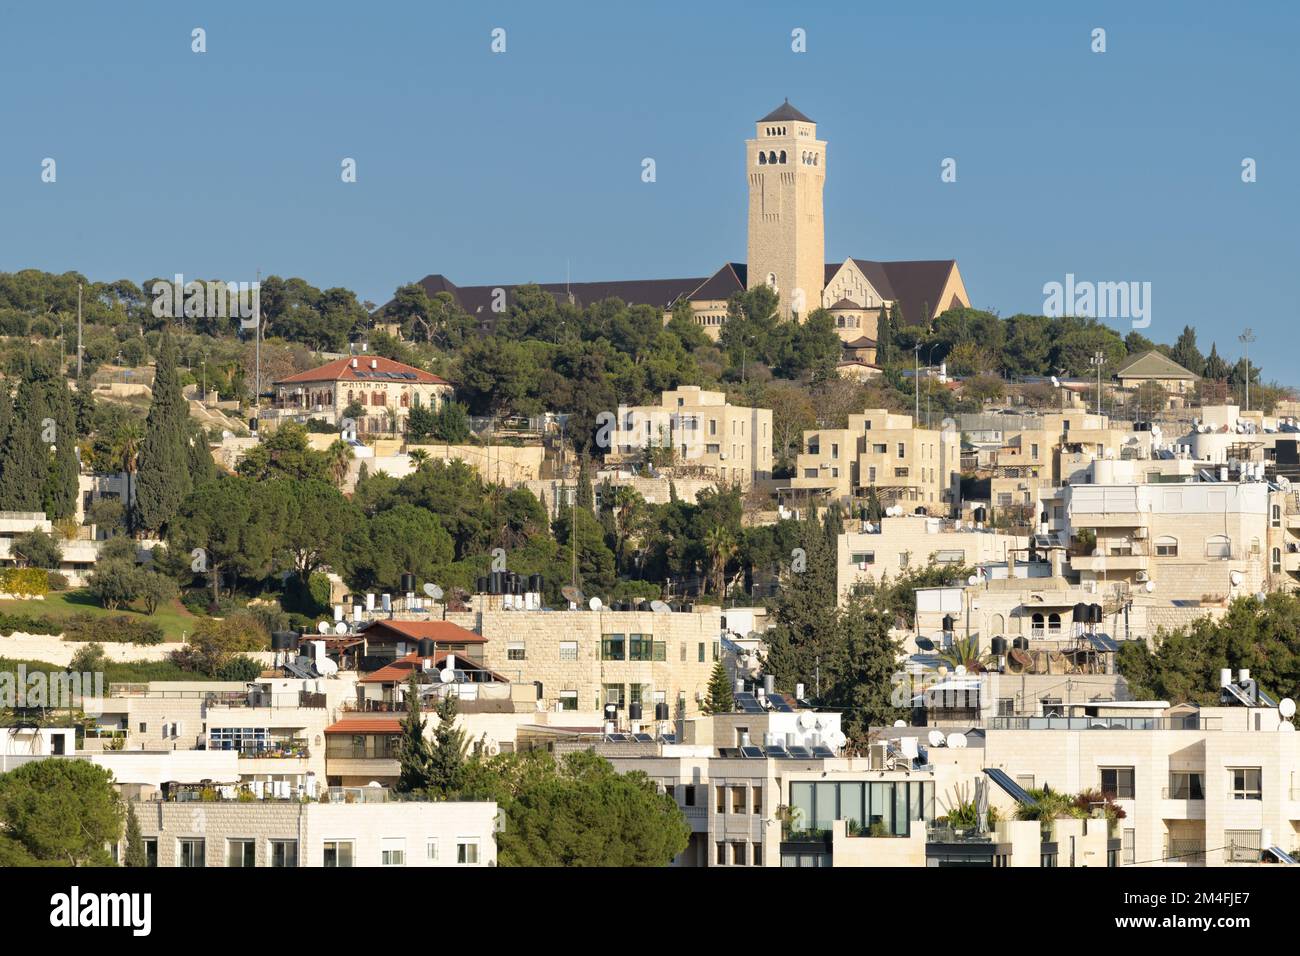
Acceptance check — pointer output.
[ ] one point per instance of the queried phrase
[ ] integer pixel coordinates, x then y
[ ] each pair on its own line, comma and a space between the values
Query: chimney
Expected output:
354, 363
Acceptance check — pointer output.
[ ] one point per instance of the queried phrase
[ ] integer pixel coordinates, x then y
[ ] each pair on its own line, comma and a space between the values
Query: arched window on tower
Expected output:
815, 159
771, 157
762, 158
782, 157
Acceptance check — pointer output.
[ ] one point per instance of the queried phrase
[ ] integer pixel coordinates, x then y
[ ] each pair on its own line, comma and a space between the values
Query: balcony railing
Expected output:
1182, 793
1190, 722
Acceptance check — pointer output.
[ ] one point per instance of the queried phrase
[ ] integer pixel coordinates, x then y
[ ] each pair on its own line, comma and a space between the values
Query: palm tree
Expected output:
419, 458
721, 545
964, 652
337, 458
126, 454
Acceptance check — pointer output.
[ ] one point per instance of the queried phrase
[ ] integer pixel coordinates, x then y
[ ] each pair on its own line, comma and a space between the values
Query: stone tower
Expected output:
786, 166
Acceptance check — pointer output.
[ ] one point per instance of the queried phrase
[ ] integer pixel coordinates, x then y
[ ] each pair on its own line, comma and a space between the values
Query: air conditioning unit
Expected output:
1140, 533
722, 455
1143, 577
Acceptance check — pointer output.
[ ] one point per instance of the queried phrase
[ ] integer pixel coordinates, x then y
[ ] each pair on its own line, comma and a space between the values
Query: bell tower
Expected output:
785, 163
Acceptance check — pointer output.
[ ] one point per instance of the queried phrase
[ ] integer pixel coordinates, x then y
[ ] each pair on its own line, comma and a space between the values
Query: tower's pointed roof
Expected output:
785, 112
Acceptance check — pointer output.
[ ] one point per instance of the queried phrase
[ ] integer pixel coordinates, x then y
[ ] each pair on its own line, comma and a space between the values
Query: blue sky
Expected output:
513, 167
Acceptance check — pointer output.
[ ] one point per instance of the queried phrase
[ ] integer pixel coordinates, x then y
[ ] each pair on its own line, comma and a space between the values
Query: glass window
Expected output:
1118, 782
758, 854
431, 849
613, 647
467, 852
515, 651
720, 854
1218, 546
284, 853
241, 853
614, 694
720, 801
1245, 783
392, 851
758, 798
1186, 786
1129, 847
701, 652
738, 799
738, 853
640, 647
338, 853
568, 650
192, 852
1166, 547
151, 851
568, 700
661, 650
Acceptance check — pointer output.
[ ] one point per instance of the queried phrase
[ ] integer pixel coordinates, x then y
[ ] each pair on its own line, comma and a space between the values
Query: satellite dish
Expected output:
900, 723
1150, 586
323, 627
1236, 578
806, 720
573, 595
936, 738
341, 627
659, 607
1286, 727
594, 604
1286, 707
447, 675
973, 580
433, 591
374, 783
956, 741
924, 644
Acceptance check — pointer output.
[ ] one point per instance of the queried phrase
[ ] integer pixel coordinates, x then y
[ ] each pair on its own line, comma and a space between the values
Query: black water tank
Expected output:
408, 583
1082, 613
980, 514
998, 646
252, 425
611, 711
688, 607
481, 585
1094, 616
283, 640
536, 583
634, 712
644, 606
661, 711
1021, 643
426, 647
920, 510
948, 623
495, 582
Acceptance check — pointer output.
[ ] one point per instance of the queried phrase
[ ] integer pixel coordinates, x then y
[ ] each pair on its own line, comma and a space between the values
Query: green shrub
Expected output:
241, 668
57, 581
25, 582
22, 624
118, 629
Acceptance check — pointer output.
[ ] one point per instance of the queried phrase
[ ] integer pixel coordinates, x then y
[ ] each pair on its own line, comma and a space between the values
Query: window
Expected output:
661, 650
431, 850
1245, 783
1128, 846
758, 854
864, 557
683, 652
738, 799
1118, 782
880, 449
568, 650
1166, 547
241, 853
284, 853
1186, 786
568, 700
688, 795
720, 799
1218, 546
721, 854
758, 799
614, 694
1033, 452
902, 450
738, 853
467, 852
515, 651
640, 647
338, 853
1277, 561
701, 652
1277, 516
392, 851
717, 650
151, 851
613, 647
192, 852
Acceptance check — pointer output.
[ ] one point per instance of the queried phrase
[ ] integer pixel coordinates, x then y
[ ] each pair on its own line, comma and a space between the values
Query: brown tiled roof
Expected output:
722, 284
861, 342
477, 300
400, 670
916, 285
341, 370
442, 631
845, 304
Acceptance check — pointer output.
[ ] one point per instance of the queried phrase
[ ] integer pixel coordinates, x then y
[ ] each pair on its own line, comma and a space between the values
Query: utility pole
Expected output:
257, 345
1099, 359
78, 331
1246, 337
916, 420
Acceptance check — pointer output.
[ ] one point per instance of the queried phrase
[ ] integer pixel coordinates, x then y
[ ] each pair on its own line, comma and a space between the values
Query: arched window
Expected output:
351, 399
378, 399
762, 158
771, 156
406, 400
1036, 624
361, 399
1053, 621
1166, 546
1254, 547
782, 157
999, 623
1277, 561
1218, 546
1277, 516
815, 159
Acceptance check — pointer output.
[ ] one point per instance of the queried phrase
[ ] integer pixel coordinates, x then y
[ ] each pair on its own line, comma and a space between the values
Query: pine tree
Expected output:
1215, 367
59, 495
413, 751
164, 479
198, 456
719, 698
135, 855
1186, 354
804, 613
585, 492
875, 512
447, 762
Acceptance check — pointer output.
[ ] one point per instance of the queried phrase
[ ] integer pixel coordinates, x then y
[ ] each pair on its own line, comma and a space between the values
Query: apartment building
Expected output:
294, 834
697, 432
905, 464
1193, 541
581, 660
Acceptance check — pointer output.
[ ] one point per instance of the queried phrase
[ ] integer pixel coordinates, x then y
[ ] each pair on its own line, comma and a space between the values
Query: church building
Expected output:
785, 168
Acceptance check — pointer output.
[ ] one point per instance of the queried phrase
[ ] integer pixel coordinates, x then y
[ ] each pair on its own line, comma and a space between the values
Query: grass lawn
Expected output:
173, 618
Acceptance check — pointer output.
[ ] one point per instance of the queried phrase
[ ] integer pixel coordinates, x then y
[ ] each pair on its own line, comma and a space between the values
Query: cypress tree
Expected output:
164, 478
413, 751
135, 855
719, 698
447, 762
884, 338
198, 456
59, 495
585, 492
24, 457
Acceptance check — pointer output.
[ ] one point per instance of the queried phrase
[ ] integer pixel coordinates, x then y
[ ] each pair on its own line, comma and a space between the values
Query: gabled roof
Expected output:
1154, 365
861, 342
445, 632
341, 370
720, 286
916, 285
785, 112
400, 670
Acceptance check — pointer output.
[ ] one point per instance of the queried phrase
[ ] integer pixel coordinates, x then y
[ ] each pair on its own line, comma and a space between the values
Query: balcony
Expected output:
1110, 563
1190, 722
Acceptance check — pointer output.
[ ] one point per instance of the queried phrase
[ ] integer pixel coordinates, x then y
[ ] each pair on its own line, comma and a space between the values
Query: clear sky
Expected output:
518, 166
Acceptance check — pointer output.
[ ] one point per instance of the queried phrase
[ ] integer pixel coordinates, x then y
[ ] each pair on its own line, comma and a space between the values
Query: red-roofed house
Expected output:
378, 385
389, 640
